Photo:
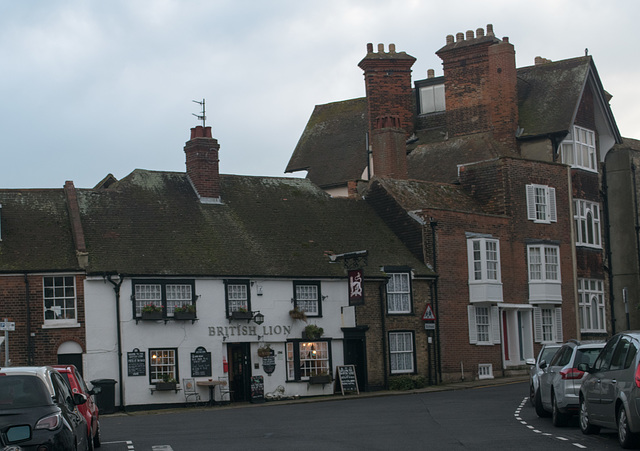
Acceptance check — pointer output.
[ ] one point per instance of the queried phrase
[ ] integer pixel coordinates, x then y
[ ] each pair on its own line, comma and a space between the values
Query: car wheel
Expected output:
538, 405
585, 426
96, 438
626, 438
558, 418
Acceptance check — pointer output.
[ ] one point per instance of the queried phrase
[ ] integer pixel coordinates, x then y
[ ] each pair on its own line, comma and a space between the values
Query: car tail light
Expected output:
571, 373
51, 422
637, 376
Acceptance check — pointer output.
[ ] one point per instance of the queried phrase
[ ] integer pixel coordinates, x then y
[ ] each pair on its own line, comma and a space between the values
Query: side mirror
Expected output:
585, 367
543, 364
79, 398
530, 362
95, 390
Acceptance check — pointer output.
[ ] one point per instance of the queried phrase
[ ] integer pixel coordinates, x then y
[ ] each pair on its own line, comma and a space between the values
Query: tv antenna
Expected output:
201, 117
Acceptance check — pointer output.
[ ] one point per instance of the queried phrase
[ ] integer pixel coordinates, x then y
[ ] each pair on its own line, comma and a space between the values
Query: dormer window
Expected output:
431, 98
579, 149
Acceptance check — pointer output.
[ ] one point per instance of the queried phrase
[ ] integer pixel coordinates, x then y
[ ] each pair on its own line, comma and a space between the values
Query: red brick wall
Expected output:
202, 162
44, 342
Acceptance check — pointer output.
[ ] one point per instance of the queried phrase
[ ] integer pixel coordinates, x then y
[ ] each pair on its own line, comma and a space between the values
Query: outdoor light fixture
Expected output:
258, 317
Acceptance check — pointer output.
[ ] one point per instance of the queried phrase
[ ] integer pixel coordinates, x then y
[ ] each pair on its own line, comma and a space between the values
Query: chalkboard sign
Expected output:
136, 363
347, 378
257, 389
200, 363
269, 364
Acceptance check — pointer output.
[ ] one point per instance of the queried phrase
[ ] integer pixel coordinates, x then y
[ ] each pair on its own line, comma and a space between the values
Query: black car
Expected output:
38, 411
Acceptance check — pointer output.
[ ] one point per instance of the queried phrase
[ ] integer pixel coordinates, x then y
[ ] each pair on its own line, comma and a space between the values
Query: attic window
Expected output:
431, 99
579, 149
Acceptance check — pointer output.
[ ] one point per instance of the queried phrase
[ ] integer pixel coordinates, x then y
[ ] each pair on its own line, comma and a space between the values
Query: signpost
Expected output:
7, 326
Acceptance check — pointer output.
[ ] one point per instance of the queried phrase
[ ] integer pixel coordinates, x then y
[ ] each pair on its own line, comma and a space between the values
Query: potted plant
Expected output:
151, 312
168, 383
320, 378
296, 313
186, 311
264, 351
241, 313
312, 332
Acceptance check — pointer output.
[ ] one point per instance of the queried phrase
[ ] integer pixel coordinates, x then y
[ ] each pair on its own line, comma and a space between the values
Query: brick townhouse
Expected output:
492, 175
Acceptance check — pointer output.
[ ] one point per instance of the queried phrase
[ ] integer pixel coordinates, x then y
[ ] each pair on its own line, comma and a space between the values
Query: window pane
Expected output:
314, 358
401, 352
398, 293
162, 364
59, 298
237, 295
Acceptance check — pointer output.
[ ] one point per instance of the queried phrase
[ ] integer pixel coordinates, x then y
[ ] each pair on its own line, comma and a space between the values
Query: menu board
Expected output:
136, 363
257, 389
347, 378
200, 363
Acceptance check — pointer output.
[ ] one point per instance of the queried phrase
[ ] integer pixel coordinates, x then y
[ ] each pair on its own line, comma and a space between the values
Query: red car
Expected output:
89, 410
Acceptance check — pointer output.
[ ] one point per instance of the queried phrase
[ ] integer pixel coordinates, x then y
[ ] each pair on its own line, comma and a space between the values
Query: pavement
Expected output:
449, 386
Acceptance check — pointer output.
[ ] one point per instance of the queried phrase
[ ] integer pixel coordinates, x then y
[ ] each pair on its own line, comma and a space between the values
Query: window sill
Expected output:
60, 326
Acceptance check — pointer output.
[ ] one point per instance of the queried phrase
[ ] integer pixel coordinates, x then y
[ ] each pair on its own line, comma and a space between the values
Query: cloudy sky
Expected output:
92, 87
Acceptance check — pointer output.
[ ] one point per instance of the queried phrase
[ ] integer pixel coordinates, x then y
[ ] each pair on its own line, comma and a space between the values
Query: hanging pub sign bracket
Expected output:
351, 260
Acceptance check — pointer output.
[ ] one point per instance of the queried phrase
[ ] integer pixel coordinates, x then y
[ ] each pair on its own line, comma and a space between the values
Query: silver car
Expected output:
546, 354
559, 391
610, 394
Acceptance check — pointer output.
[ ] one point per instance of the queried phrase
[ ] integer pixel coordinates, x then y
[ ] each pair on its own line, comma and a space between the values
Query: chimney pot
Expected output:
479, 32
380, 48
490, 30
392, 48
449, 39
459, 37
505, 39
430, 73
370, 47
469, 34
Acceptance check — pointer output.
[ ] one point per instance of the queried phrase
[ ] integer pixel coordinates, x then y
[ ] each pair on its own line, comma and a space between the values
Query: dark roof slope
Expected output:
151, 223
332, 147
549, 94
35, 231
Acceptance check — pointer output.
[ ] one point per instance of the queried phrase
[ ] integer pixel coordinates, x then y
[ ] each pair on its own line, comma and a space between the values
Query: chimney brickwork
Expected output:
480, 85
203, 163
388, 85
389, 149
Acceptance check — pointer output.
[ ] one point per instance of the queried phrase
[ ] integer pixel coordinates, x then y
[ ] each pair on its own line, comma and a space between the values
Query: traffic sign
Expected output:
428, 314
7, 325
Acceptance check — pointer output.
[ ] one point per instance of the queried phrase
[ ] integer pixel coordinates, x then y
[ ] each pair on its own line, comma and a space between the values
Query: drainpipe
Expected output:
434, 257
116, 289
28, 301
384, 334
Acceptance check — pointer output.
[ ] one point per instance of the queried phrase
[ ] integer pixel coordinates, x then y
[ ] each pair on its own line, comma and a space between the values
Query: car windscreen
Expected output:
22, 391
587, 356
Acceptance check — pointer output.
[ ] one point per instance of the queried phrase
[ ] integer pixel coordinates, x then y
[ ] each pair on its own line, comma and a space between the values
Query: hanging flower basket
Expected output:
296, 313
264, 351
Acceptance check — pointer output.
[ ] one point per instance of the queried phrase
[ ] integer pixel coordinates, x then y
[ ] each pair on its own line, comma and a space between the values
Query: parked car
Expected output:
38, 410
559, 389
545, 355
610, 394
89, 410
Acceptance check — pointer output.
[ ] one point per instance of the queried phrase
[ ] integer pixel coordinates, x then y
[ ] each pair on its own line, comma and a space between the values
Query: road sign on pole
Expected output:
7, 326
428, 314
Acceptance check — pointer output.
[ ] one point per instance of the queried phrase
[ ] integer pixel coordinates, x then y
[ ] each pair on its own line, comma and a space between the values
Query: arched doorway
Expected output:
70, 353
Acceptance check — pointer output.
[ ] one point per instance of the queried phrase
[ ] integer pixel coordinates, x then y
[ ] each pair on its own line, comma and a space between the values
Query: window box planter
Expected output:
241, 315
184, 315
165, 386
320, 379
151, 316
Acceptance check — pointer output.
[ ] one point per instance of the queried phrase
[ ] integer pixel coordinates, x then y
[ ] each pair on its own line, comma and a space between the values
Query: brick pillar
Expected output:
388, 85
203, 163
389, 149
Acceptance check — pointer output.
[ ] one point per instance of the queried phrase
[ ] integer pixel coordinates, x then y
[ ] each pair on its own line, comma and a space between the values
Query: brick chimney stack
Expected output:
388, 85
480, 85
203, 164
389, 149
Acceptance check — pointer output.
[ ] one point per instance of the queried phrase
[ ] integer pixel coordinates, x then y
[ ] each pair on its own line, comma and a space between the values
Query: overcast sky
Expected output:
92, 87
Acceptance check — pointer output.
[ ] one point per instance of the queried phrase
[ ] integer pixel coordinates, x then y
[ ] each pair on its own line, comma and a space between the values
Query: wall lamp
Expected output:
258, 317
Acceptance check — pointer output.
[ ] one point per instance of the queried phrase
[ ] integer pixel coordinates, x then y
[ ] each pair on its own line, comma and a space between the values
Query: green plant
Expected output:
150, 308
407, 382
186, 308
241, 310
296, 313
168, 379
313, 331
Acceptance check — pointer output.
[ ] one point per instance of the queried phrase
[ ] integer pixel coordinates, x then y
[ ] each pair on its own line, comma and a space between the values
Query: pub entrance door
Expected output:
355, 354
239, 370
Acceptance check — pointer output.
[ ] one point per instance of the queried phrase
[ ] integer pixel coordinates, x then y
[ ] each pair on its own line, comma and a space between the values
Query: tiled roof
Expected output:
151, 223
415, 195
332, 147
548, 95
35, 231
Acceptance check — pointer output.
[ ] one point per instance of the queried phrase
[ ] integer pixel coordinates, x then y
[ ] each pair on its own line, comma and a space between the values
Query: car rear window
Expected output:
587, 356
548, 353
22, 391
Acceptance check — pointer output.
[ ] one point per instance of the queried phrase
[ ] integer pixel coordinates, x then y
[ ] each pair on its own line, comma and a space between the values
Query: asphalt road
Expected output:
484, 418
